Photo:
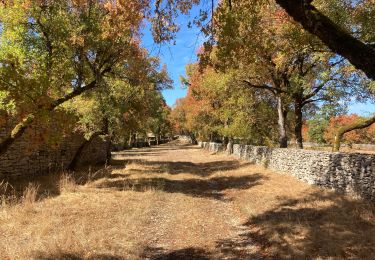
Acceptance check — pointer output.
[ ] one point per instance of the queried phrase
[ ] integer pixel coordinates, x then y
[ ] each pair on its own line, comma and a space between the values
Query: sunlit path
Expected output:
176, 201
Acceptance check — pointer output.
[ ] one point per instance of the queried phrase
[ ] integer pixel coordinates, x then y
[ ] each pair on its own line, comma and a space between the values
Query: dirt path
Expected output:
194, 214
179, 202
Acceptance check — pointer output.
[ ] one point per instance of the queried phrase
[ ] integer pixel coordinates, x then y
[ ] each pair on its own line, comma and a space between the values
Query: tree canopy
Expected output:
266, 68
258, 45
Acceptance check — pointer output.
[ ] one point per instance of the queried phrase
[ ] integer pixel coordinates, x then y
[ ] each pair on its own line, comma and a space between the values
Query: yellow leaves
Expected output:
109, 6
50, 48
77, 40
279, 59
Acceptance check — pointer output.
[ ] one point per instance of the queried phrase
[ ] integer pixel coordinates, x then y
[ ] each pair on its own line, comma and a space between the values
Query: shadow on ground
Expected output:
212, 188
150, 253
180, 254
199, 169
72, 256
198, 253
135, 154
317, 226
161, 148
49, 185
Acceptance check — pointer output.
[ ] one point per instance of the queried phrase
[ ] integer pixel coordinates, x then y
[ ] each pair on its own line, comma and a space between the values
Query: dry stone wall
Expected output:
28, 155
350, 173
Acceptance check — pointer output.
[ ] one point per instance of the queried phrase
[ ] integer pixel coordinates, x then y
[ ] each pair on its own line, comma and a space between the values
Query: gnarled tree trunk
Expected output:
78, 155
21, 127
345, 129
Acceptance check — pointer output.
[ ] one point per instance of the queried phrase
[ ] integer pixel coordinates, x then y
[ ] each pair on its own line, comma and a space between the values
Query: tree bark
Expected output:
131, 142
283, 138
225, 140
78, 155
109, 149
106, 131
345, 129
298, 124
230, 146
361, 55
193, 139
20, 128
282, 113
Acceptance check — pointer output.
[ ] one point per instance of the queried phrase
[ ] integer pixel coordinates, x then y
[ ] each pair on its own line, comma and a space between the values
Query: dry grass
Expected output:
67, 183
5, 197
299, 221
177, 202
83, 223
29, 195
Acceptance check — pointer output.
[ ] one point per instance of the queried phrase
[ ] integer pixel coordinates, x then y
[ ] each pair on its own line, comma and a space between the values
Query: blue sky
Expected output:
365, 109
177, 56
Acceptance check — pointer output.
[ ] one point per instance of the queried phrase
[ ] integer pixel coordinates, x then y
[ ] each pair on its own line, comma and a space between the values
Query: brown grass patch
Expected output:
85, 224
67, 183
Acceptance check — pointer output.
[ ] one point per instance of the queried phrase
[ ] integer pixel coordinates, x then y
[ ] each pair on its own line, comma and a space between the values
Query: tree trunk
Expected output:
78, 155
283, 139
361, 55
16, 133
345, 129
230, 146
298, 124
109, 149
225, 140
106, 131
193, 139
132, 140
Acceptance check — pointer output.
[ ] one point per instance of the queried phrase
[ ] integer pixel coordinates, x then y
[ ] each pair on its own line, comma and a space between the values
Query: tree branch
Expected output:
21, 127
315, 91
274, 91
361, 55
312, 101
354, 126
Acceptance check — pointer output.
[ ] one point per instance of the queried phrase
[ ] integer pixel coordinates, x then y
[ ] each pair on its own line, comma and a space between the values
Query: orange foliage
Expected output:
366, 135
196, 104
305, 132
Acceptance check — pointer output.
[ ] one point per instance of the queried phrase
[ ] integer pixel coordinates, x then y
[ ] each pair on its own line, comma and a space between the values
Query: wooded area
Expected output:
281, 73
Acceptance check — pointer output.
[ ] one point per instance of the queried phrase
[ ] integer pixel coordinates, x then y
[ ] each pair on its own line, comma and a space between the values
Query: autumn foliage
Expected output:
81, 57
366, 135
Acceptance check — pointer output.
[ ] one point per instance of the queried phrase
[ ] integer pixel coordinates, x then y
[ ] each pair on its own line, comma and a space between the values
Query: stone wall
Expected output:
31, 155
346, 172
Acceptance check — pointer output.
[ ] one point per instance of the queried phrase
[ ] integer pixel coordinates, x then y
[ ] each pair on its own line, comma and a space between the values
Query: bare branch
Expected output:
273, 90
